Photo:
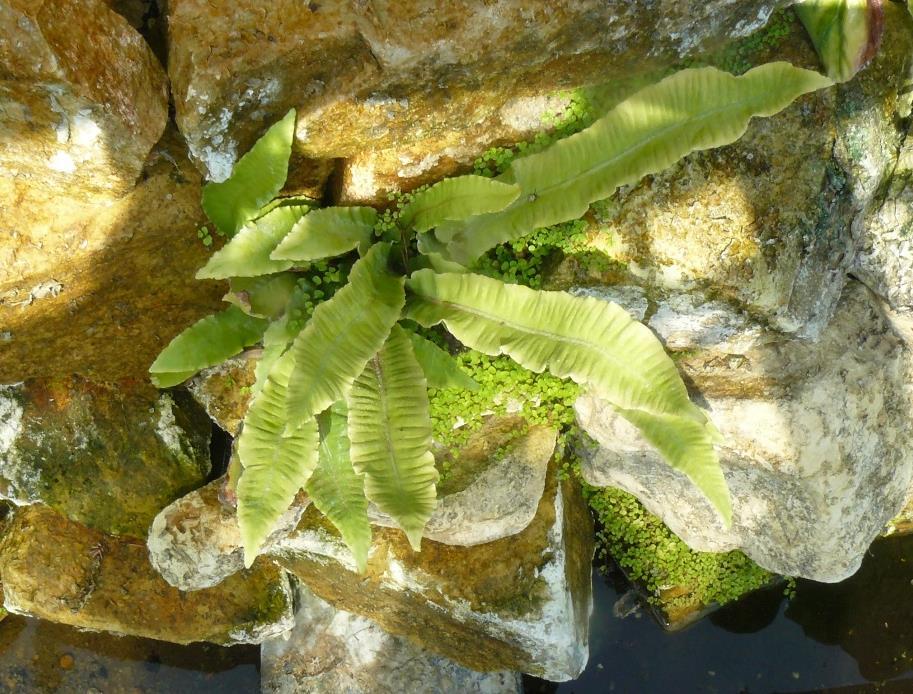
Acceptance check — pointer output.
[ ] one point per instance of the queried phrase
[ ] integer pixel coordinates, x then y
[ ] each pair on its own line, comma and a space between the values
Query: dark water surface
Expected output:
37, 656
855, 636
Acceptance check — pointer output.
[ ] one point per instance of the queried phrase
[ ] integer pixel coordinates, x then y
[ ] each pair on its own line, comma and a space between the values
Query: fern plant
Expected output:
341, 406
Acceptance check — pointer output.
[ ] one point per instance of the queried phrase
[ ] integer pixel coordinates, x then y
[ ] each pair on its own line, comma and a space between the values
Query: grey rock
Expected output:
818, 439
195, 542
330, 651
501, 501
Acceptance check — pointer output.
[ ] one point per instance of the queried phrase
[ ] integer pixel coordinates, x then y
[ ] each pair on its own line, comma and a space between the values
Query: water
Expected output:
38, 657
856, 636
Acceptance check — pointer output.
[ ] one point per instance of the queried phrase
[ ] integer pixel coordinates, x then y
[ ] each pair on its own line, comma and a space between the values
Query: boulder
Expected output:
491, 491
121, 284
195, 542
496, 490
817, 435
331, 651
109, 456
409, 91
520, 603
60, 570
82, 102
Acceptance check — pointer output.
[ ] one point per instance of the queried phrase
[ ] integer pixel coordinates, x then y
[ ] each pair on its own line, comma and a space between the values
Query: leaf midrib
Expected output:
539, 333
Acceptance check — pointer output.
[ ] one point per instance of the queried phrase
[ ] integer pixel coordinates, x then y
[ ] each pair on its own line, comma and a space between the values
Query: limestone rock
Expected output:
331, 651
817, 436
195, 542
494, 492
422, 84
59, 570
122, 283
82, 102
520, 603
109, 456
496, 496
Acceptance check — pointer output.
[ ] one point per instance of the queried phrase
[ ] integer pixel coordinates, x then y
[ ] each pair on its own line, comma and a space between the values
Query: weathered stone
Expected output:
497, 493
82, 101
817, 436
494, 492
62, 571
122, 283
878, 154
331, 651
224, 391
520, 603
195, 542
109, 456
422, 84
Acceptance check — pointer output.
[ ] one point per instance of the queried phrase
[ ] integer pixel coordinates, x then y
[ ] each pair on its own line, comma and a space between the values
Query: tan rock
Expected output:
82, 101
59, 570
224, 391
424, 85
122, 283
109, 456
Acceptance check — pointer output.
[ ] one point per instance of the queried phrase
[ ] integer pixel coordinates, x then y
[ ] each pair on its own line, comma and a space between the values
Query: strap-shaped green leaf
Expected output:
457, 198
206, 343
595, 343
256, 179
327, 232
440, 369
687, 445
265, 296
590, 341
336, 489
275, 466
846, 33
390, 430
344, 332
692, 110
247, 254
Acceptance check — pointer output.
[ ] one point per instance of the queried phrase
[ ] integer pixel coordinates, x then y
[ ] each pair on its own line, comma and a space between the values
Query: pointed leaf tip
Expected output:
256, 179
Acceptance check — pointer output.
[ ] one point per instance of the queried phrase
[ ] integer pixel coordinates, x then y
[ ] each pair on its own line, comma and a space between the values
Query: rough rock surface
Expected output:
121, 284
331, 651
496, 496
59, 570
82, 101
817, 435
422, 84
109, 456
224, 391
195, 542
520, 603
493, 492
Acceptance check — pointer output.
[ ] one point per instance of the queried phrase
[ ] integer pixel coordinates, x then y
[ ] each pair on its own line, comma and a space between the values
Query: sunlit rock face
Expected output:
408, 91
118, 284
109, 456
60, 570
82, 101
331, 651
817, 436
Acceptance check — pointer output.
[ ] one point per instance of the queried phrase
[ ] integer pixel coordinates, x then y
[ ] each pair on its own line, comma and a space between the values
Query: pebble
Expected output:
66, 661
